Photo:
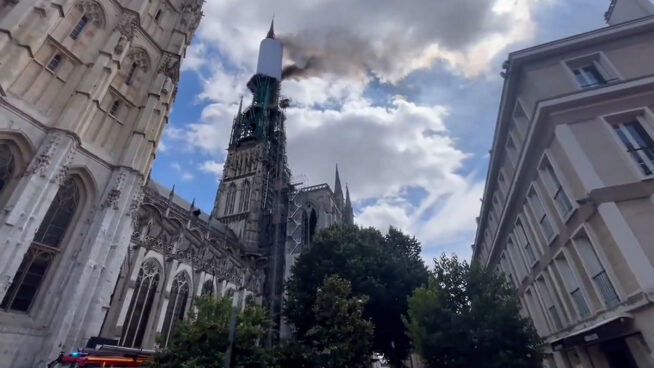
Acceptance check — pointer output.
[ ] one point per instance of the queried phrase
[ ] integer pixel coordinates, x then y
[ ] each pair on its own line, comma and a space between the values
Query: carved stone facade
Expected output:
85, 91
175, 238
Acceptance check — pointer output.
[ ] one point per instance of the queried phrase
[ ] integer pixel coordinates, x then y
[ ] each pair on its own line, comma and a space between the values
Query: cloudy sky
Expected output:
404, 101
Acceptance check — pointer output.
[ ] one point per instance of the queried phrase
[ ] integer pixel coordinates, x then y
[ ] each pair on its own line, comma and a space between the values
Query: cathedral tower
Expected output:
252, 197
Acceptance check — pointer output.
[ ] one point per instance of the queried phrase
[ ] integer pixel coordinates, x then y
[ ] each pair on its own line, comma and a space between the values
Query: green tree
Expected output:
340, 338
202, 340
386, 269
468, 316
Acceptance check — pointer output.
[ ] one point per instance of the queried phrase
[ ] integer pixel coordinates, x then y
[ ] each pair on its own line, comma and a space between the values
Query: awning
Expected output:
607, 329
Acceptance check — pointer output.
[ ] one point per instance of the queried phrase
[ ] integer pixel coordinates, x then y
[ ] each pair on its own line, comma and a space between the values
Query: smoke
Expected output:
398, 38
312, 66
313, 53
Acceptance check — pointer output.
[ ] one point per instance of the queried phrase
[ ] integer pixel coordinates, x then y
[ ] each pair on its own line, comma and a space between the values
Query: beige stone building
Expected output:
85, 91
568, 209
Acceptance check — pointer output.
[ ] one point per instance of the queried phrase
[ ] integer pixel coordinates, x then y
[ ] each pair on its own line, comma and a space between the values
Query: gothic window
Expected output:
230, 199
54, 62
114, 108
207, 288
243, 204
130, 75
313, 221
140, 307
139, 63
44, 248
79, 27
157, 16
176, 306
7, 166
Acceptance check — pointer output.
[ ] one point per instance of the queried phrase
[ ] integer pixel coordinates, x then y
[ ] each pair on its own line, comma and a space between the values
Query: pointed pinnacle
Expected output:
271, 31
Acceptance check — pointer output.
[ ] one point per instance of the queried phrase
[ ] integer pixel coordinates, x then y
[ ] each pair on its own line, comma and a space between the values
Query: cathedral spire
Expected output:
338, 191
348, 212
271, 31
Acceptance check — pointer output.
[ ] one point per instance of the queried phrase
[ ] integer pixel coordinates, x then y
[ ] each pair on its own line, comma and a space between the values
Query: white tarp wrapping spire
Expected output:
270, 55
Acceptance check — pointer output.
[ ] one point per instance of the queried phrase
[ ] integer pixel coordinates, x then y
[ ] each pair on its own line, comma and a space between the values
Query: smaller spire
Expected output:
348, 212
193, 204
240, 107
271, 31
338, 191
172, 193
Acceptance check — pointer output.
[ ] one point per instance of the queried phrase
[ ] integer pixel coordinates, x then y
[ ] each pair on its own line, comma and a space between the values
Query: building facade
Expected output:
177, 253
89, 246
85, 90
568, 209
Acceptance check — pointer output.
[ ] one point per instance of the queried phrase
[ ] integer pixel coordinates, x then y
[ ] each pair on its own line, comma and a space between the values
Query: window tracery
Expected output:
140, 307
44, 248
176, 306
243, 204
7, 166
92, 10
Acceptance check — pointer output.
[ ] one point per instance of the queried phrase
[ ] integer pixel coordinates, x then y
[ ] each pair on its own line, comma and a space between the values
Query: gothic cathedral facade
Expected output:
89, 246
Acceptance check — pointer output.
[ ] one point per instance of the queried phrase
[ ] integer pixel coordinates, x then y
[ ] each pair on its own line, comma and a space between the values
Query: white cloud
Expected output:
213, 167
383, 146
389, 39
183, 174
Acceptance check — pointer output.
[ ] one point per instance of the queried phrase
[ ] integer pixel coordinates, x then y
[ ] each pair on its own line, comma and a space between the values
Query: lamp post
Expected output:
236, 305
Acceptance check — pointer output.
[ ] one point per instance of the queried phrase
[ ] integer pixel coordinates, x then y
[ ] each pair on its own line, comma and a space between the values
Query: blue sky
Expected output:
405, 103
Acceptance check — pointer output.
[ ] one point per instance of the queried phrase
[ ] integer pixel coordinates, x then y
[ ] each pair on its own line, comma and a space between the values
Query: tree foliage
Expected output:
467, 316
203, 339
341, 337
385, 269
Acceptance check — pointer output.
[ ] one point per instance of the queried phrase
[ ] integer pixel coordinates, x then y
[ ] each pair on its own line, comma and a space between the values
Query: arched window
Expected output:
54, 62
79, 27
176, 306
243, 204
44, 248
305, 227
207, 288
230, 199
157, 16
114, 108
140, 307
7, 166
313, 221
130, 75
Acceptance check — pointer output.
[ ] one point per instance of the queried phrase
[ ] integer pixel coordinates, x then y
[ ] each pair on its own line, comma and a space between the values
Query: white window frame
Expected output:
561, 291
645, 117
539, 284
542, 317
530, 242
602, 64
584, 230
514, 252
502, 184
546, 214
546, 159
521, 127
513, 158
577, 279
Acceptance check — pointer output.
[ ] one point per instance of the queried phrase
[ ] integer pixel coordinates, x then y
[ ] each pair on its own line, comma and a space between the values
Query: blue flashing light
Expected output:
75, 354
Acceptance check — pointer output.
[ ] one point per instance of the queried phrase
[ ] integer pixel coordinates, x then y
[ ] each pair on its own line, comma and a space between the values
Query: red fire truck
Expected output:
103, 356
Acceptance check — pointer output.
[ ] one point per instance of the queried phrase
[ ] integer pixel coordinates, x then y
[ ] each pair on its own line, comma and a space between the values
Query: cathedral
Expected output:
91, 249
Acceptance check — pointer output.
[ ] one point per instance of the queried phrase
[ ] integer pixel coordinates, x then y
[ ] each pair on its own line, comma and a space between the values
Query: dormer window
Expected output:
54, 62
79, 27
593, 70
588, 76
